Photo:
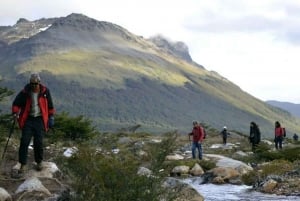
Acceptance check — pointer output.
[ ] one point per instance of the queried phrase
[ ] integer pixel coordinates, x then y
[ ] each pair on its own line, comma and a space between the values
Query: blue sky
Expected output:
253, 43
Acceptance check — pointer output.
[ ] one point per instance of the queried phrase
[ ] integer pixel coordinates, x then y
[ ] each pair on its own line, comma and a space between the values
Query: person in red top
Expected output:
33, 109
198, 136
278, 135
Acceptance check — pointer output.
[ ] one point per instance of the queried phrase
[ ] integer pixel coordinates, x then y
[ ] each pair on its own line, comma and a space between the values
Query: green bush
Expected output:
113, 177
73, 128
276, 167
250, 178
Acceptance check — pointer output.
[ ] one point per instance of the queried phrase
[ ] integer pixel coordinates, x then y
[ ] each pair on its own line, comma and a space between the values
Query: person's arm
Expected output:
18, 103
51, 109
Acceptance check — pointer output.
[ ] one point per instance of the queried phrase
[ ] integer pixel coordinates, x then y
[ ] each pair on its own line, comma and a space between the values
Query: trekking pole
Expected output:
11, 130
190, 140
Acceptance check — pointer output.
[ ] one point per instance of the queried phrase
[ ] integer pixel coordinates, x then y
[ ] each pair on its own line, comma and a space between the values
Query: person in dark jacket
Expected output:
295, 137
198, 136
33, 109
254, 136
224, 134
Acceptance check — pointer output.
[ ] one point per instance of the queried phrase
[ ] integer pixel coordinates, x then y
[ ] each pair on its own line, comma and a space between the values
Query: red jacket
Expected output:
198, 134
21, 105
278, 132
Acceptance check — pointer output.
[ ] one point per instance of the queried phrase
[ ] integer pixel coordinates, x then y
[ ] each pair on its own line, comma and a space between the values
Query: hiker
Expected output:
224, 134
278, 135
33, 109
295, 137
254, 137
198, 135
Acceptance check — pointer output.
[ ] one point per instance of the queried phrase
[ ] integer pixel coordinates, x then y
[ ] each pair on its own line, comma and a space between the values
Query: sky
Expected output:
253, 43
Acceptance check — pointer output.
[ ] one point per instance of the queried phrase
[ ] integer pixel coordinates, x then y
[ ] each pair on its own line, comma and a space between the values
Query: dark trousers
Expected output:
278, 142
32, 128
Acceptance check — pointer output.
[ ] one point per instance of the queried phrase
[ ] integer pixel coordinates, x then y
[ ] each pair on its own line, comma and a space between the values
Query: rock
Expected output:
218, 180
239, 154
222, 161
70, 151
144, 171
182, 191
269, 186
49, 170
196, 170
32, 185
174, 157
4, 195
179, 170
189, 194
226, 173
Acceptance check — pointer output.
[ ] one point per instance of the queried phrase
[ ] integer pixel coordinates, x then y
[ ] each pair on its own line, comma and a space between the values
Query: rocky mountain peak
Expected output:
24, 29
75, 20
22, 20
83, 22
178, 49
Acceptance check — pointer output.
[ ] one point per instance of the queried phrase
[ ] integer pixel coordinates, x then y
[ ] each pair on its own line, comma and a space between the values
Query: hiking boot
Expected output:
39, 166
17, 166
22, 169
18, 171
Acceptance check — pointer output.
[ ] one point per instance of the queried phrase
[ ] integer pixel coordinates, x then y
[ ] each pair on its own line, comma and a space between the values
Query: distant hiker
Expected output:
295, 137
254, 136
198, 135
278, 135
224, 134
33, 108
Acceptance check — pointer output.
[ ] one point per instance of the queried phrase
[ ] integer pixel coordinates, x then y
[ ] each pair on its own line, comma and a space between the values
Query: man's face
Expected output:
34, 84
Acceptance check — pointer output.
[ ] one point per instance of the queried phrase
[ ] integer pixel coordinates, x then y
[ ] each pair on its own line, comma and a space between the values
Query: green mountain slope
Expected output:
102, 71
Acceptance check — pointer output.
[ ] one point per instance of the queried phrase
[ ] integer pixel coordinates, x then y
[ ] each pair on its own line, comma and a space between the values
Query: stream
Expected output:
229, 192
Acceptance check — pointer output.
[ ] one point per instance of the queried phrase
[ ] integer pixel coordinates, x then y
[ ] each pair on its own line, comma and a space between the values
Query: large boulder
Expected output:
4, 195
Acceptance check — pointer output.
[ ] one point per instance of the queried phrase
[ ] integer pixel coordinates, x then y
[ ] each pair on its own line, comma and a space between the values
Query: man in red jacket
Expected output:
33, 109
198, 136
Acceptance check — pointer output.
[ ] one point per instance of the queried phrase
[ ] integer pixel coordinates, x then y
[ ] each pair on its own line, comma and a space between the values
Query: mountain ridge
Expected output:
102, 71
292, 108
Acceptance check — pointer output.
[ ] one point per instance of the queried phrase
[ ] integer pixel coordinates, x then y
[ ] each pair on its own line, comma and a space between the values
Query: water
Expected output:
228, 192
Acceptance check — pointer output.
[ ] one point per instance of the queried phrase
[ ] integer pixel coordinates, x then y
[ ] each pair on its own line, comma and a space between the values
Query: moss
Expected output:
276, 167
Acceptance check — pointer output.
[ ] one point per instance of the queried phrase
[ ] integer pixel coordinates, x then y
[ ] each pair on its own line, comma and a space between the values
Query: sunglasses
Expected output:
34, 83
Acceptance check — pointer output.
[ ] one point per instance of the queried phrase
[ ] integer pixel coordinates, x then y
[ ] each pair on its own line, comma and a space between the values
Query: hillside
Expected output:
102, 71
292, 108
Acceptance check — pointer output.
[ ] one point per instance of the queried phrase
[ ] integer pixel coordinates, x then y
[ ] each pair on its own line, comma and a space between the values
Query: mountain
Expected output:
106, 73
292, 108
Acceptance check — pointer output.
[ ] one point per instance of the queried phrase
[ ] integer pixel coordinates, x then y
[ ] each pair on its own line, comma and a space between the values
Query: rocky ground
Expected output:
50, 184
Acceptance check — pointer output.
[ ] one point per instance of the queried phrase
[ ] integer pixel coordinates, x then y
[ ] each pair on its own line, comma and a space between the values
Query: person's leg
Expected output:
276, 142
200, 151
25, 141
38, 140
194, 149
280, 142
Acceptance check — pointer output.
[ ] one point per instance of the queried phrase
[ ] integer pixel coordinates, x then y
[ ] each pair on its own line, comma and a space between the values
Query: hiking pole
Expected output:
190, 140
11, 130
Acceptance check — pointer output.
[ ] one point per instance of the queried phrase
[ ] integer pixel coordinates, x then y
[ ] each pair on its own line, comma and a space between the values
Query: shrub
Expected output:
249, 178
277, 167
113, 177
73, 128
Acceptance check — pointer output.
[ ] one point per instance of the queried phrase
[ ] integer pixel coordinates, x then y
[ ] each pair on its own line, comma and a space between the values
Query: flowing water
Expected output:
229, 192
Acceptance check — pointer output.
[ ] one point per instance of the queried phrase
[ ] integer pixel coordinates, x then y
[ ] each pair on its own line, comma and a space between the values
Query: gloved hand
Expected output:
51, 121
15, 116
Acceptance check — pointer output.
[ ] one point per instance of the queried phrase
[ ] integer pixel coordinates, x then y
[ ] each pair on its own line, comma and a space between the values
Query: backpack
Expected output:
283, 132
204, 133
